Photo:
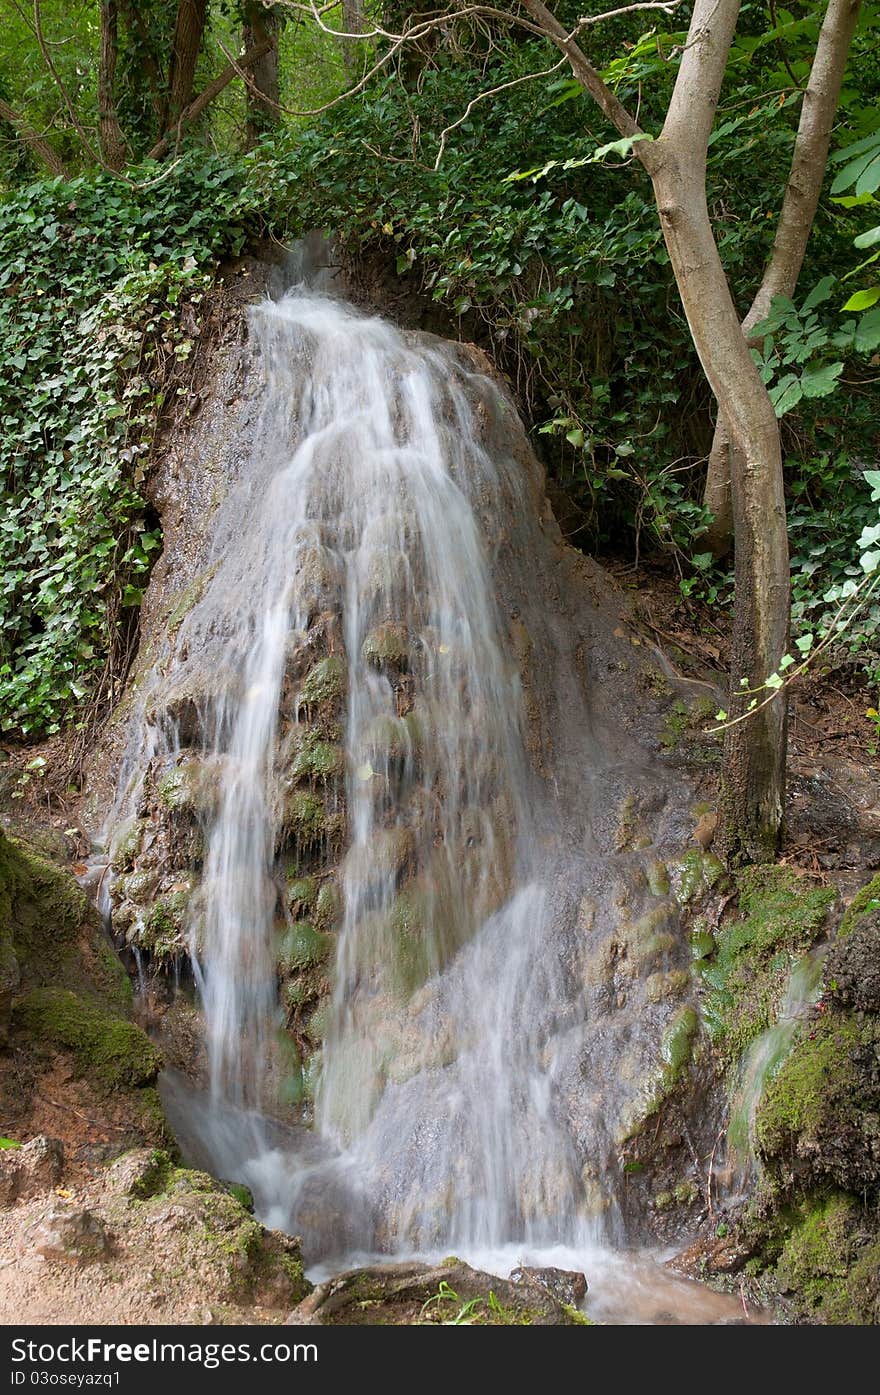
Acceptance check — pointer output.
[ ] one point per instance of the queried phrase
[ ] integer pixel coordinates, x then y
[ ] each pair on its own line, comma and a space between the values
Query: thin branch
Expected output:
59, 83
32, 139
207, 95
585, 73
492, 92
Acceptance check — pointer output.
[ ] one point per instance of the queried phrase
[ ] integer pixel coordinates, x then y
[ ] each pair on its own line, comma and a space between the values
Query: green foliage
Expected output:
781, 916
94, 274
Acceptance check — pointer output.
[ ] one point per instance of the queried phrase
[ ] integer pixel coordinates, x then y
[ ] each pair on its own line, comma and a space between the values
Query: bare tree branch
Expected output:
207, 95
59, 83
32, 139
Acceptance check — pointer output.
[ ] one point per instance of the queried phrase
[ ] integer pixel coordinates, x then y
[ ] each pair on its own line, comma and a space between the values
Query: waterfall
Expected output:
424, 907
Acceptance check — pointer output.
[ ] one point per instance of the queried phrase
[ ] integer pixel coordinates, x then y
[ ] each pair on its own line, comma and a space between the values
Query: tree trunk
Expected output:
352, 51
799, 206
753, 791
113, 148
186, 46
262, 24
207, 95
32, 139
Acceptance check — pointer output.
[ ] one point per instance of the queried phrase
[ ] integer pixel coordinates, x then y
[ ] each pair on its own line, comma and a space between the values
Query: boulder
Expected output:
26, 1171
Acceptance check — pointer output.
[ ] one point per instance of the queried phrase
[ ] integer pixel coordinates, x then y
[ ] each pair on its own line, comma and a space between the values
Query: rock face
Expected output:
609, 813
69, 1013
449, 1293
34, 1168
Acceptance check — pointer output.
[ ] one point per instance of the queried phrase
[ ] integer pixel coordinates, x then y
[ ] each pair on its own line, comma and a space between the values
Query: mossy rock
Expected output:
308, 821
164, 926
865, 903
300, 895
49, 932
108, 1050
325, 683
328, 907
781, 917
819, 1118
676, 1044
826, 1271
246, 1262
192, 787
137, 886
660, 987
696, 874
317, 760
126, 844
303, 947
387, 647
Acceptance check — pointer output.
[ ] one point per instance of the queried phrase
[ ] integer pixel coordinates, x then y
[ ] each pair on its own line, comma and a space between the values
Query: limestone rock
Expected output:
29, 1170
450, 1292
567, 1285
70, 1237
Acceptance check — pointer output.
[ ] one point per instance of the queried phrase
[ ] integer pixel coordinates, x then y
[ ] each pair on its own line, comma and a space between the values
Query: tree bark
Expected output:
753, 792
112, 141
352, 23
206, 96
798, 211
32, 139
262, 23
185, 49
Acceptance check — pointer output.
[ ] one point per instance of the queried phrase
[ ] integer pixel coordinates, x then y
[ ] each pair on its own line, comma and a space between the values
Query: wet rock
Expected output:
29, 1170
387, 647
445, 1293
714, 1255
852, 969
567, 1285
70, 1237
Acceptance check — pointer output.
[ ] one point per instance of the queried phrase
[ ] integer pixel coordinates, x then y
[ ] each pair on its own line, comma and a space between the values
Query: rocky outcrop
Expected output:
448, 1293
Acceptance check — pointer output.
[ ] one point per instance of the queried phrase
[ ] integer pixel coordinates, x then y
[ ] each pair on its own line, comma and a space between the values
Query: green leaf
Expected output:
863, 300
819, 381
787, 394
774, 681
132, 595
804, 643
820, 293
867, 332
867, 239
785, 662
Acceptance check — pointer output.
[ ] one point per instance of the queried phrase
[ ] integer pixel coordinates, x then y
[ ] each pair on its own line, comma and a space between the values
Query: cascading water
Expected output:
474, 1000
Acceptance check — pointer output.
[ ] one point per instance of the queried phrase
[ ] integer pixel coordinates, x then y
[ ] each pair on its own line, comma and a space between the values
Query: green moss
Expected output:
817, 1085
827, 1268
163, 928
677, 1042
107, 1049
675, 725
696, 875
658, 878
188, 598
328, 907
865, 902
305, 817
317, 760
325, 683
387, 646
301, 894
781, 916
8, 1143
302, 947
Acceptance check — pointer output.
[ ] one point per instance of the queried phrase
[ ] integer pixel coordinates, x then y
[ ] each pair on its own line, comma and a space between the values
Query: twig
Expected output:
98, 1123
